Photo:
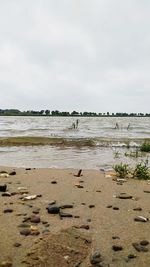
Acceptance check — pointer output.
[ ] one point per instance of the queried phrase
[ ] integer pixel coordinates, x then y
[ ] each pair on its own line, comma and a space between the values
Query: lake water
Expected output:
51, 141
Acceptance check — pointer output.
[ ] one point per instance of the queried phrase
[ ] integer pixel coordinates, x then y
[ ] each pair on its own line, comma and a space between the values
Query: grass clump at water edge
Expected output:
140, 171
145, 147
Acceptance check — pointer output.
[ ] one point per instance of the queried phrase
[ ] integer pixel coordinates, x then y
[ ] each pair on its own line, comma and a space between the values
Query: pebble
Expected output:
146, 191
36, 211
6, 194
124, 196
91, 206
84, 226
65, 215
109, 206
66, 206
139, 247
96, 258
17, 245
25, 232
24, 225
52, 202
137, 209
53, 182
35, 218
141, 219
115, 237
115, 208
3, 188
144, 243
53, 210
117, 248
8, 210
12, 173
131, 256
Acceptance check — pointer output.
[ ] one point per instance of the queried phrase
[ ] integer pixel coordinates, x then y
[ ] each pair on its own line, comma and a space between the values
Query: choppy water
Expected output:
51, 142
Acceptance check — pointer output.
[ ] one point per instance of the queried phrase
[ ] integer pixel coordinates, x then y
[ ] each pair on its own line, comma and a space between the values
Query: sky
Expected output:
83, 55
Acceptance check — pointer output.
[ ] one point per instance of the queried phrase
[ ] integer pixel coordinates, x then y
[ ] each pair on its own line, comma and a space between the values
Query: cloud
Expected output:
75, 55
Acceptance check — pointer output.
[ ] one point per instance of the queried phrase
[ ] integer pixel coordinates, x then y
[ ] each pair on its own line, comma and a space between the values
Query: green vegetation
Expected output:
121, 169
145, 147
141, 170
47, 112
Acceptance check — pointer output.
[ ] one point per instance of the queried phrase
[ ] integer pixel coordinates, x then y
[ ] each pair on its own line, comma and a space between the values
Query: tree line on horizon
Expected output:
47, 112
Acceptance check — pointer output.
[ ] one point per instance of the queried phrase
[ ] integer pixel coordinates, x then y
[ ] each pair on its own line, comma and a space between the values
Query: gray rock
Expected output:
25, 231
139, 247
35, 218
96, 258
53, 209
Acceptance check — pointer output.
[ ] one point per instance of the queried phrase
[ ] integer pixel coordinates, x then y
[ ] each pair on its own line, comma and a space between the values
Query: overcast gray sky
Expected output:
83, 55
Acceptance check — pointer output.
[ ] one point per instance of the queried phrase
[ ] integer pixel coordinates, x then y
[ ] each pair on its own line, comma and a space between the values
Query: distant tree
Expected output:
47, 112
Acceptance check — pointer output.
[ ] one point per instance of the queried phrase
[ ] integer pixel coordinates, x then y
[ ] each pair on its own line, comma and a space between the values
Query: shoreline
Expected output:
97, 212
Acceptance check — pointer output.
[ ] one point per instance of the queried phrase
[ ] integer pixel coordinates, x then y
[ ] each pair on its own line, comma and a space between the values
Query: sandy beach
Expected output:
96, 213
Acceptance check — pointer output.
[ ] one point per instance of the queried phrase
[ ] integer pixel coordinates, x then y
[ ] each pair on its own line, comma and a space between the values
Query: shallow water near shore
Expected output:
48, 142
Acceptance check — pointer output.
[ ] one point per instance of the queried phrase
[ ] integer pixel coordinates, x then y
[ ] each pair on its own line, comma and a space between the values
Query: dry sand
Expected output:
64, 242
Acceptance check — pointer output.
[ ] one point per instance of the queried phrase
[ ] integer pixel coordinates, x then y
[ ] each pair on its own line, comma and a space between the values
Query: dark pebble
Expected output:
8, 210
53, 182
115, 208
25, 232
17, 245
115, 237
66, 206
53, 210
137, 209
117, 248
85, 226
131, 256
6, 194
3, 188
144, 243
36, 211
109, 206
139, 248
65, 215
12, 173
96, 258
91, 206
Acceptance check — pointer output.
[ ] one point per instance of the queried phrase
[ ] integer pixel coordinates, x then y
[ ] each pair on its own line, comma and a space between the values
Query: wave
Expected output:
71, 142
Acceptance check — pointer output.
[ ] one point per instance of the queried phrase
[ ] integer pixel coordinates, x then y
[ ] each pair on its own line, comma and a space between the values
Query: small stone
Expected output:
117, 248
6, 194
36, 210
109, 206
25, 232
91, 206
141, 219
144, 243
131, 256
85, 226
17, 244
3, 188
65, 215
96, 258
35, 219
53, 182
139, 248
66, 206
8, 210
52, 202
115, 208
146, 191
124, 196
45, 230
24, 225
53, 210
137, 209
115, 237
12, 173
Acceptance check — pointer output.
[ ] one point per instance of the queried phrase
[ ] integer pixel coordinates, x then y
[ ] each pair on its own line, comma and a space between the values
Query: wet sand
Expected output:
99, 218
